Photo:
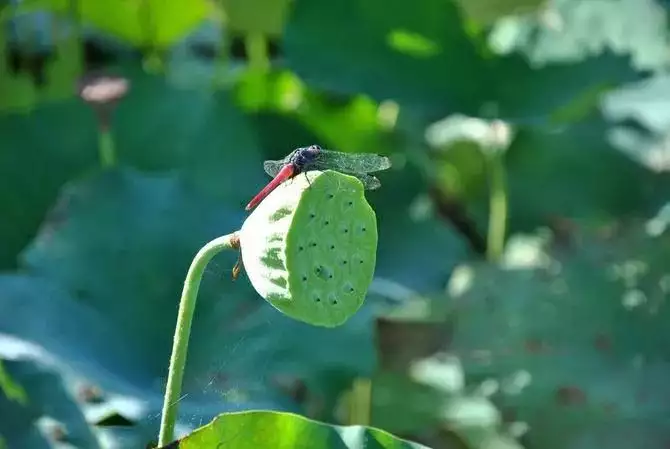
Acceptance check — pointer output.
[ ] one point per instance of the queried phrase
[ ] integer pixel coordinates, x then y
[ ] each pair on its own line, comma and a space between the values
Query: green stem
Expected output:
256, 46
361, 398
183, 331
498, 207
106, 149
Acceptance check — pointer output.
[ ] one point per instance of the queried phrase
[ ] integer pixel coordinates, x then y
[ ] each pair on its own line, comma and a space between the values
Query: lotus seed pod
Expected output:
310, 247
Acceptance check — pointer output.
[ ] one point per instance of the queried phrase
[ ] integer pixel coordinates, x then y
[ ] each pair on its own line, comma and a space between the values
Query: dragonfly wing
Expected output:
369, 181
353, 163
273, 167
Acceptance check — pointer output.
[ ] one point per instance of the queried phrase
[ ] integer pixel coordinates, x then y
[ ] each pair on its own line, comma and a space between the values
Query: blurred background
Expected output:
523, 269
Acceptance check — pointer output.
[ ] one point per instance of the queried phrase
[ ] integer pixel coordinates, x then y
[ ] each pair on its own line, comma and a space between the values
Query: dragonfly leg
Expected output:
307, 178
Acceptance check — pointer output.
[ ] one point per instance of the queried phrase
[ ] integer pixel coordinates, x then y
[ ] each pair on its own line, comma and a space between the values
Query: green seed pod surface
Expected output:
310, 247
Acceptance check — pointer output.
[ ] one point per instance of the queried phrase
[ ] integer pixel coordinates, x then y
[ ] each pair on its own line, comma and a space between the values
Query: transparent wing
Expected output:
273, 167
369, 181
353, 163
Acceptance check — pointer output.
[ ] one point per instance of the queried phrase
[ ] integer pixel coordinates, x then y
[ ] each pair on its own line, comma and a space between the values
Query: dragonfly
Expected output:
313, 157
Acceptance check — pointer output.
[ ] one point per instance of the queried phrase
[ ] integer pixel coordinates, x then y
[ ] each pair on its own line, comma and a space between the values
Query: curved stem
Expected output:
106, 148
183, 331
256, 45
359, 406
498, 208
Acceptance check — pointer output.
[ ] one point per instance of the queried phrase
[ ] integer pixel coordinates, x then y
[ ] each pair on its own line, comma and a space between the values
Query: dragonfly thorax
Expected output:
303, 157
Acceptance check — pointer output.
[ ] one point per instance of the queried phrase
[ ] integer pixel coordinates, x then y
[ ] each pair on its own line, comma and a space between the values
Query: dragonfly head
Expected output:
305, 156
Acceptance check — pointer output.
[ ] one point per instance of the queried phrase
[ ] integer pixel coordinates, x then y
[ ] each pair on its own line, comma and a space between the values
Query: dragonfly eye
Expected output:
307, 155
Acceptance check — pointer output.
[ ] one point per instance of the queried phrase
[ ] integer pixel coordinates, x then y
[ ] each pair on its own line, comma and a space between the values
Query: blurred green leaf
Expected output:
416, 56
572, 30
10, 389
425, 60
17, 92
560, 171
640, 115
151, 23
485, 12
270, 429
64, 69
23, 424
87, 349
256, 16
403, 406
592, 357
574, 172
424, 391
417, 249
33, 168
199, 132
351, 124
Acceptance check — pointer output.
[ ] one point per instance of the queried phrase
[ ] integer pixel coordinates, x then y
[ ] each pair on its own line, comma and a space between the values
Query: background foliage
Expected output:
558, 343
